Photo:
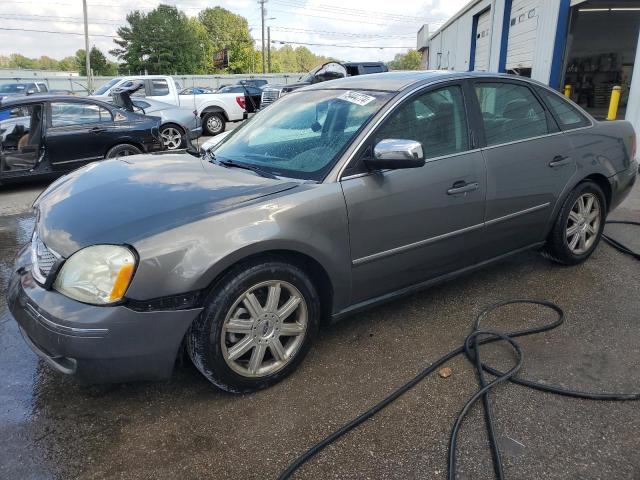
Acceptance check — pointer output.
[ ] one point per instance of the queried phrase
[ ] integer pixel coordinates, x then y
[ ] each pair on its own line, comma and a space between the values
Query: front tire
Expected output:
578, 228
213, 123
257, 326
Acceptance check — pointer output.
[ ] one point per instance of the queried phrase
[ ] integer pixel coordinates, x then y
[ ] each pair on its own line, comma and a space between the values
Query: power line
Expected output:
342, 34
329, 18
284, 42
342, 10
352, 11
9, 16
56, 32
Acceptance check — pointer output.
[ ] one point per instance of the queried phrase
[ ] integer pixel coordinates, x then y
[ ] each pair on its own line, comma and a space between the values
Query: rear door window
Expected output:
568, 116
67, 113
510, 112
371, 69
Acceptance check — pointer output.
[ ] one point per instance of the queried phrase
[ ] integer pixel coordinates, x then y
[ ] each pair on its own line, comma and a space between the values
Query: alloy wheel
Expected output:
171, 138
583, 224
264, 328
214, 124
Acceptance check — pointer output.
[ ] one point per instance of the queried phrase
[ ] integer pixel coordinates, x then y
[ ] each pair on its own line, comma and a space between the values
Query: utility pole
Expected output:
86, 45
262, 12
269, 48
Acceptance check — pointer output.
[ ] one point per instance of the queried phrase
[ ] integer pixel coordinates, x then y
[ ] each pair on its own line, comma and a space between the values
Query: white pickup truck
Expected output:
215, 109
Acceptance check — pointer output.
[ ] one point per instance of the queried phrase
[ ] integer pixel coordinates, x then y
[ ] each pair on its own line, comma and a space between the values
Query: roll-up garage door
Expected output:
523, 32
483, 42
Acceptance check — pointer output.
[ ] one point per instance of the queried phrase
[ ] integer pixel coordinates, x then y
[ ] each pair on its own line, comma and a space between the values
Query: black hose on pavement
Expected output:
471, 351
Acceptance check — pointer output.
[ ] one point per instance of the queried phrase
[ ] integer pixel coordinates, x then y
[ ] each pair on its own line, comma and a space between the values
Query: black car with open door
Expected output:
52, 135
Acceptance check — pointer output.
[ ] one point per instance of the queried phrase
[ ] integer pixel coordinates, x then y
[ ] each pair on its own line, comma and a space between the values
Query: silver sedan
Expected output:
179, 124
339, 196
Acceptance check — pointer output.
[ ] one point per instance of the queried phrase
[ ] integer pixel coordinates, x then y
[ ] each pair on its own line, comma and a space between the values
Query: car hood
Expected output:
121, 201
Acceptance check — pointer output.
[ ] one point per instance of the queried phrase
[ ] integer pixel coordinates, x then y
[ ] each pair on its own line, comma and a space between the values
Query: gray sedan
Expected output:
178, 126
340, 196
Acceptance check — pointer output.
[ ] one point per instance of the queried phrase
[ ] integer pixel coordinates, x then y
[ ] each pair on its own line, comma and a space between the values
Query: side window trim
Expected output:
552, 123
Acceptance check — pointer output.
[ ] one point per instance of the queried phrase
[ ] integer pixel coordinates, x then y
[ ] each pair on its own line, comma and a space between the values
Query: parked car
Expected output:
196, 91
214, 109
338, 197
178, 125
12, 90
52, 135
327, 71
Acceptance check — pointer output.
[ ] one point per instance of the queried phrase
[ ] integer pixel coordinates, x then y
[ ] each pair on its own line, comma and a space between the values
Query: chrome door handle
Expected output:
97, 130
559, 160
462, 187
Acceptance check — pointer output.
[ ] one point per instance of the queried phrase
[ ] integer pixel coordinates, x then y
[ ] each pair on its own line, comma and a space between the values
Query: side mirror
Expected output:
31, 91
396, 154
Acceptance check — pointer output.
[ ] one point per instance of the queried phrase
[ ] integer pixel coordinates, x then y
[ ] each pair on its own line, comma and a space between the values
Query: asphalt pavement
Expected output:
53, 428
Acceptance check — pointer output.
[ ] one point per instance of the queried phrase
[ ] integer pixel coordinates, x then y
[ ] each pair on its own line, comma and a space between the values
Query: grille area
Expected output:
269, 96
42, 258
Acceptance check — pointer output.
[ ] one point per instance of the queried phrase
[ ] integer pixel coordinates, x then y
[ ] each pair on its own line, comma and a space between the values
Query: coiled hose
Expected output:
471, 351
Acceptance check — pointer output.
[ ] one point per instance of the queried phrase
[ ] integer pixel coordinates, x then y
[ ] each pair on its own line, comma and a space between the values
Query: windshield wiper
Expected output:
246, 166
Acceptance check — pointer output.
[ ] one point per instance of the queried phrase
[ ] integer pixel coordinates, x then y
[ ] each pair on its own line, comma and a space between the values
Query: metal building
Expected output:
591, 45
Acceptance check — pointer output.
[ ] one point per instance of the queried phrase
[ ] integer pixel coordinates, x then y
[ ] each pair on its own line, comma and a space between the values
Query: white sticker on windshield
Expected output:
357, 98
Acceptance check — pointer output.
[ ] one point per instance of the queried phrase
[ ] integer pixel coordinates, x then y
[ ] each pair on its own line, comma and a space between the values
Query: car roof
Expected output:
397, 81
26, 100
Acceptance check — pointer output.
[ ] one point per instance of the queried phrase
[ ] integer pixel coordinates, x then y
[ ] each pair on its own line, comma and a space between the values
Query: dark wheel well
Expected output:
603, 183
316, 272
214, 110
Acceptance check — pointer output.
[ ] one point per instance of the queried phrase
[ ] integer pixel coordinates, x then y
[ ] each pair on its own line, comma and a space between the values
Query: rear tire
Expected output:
578, 228
122, 150
257, 326
213, 123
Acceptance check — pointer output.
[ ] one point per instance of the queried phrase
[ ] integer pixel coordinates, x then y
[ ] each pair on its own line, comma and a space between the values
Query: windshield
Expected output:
302, 134
103, 89
14, 88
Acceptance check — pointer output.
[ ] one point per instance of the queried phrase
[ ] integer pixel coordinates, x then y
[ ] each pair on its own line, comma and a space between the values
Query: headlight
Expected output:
99, 274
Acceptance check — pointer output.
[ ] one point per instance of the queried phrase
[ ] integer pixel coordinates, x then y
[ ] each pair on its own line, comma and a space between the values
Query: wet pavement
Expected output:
53, 428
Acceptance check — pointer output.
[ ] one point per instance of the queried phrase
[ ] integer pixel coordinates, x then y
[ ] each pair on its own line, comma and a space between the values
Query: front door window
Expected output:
20, 136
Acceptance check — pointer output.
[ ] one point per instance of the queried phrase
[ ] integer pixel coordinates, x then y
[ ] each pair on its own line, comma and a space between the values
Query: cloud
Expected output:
370, 23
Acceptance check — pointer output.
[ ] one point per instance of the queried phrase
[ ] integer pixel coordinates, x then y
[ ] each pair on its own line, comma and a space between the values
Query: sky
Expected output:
335, 28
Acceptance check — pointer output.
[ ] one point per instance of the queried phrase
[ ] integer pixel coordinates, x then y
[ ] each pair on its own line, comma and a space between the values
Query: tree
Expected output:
99, 63
301, 59
228, 30
163, 41
406, 61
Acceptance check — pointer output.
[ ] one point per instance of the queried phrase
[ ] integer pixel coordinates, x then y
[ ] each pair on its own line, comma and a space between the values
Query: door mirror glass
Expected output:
396, 154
